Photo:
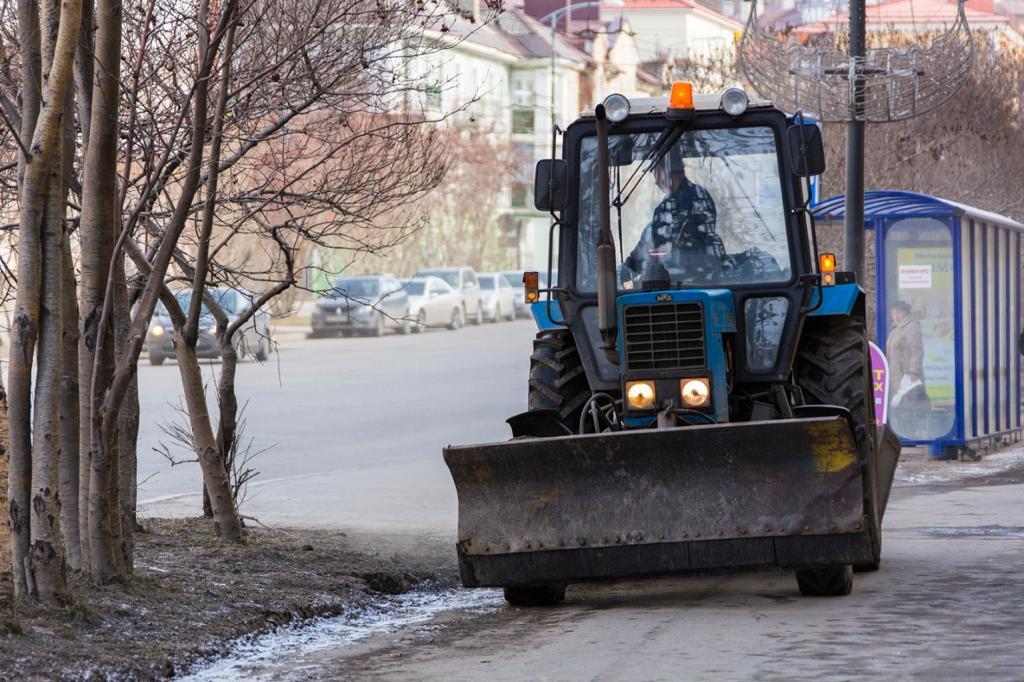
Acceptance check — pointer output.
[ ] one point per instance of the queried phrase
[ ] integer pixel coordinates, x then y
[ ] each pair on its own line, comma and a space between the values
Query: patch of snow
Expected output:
942, 472
255, 658
980, 531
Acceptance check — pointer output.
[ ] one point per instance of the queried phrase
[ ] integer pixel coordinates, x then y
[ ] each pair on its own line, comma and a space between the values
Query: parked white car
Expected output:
433, 303
499, 296
462, 280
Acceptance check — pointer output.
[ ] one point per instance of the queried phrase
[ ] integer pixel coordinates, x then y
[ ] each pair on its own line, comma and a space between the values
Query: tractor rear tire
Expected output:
557, 379
539, 595
832, 368
827, 581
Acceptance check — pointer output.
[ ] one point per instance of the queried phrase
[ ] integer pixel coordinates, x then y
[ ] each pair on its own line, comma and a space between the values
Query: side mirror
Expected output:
549, 184
806, 149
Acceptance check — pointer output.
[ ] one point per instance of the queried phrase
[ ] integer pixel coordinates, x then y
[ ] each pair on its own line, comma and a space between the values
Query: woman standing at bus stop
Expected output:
909, 407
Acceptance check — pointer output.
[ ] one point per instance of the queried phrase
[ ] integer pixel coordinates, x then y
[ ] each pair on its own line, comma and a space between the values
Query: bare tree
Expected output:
214, 145
48, 43
460, 223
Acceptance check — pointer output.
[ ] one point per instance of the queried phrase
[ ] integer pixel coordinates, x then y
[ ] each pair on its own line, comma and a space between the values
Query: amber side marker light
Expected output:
531, 286
827, 266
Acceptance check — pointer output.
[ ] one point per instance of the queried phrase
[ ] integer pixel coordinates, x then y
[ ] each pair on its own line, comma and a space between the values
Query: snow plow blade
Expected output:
786, 493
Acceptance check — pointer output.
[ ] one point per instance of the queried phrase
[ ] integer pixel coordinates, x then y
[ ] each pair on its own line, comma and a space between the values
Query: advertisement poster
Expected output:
920, 352
879, 383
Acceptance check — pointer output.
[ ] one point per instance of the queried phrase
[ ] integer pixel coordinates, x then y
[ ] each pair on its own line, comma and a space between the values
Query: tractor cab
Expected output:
706, 212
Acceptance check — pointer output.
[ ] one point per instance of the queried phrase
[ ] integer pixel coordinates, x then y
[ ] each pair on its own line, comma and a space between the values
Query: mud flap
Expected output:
568, 508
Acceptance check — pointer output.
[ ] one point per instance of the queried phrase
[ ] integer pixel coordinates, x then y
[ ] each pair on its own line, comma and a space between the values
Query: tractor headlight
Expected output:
735, 101
157, 329
616, 107
640, 394
696, 392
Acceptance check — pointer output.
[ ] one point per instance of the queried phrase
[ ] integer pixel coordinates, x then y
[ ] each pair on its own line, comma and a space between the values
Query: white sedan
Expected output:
499, 296
433, 303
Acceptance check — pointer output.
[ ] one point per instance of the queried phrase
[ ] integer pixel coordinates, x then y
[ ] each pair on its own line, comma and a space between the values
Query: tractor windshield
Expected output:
708, 207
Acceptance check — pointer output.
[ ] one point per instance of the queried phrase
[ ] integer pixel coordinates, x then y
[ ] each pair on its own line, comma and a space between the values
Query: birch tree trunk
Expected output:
5, 525
69, 454
128, 423
99, 206
25, 321
46, 558
67, 483
216, 482
215, 477
39, 563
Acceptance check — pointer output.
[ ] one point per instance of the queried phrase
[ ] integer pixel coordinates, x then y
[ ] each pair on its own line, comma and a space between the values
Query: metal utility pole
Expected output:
853, 242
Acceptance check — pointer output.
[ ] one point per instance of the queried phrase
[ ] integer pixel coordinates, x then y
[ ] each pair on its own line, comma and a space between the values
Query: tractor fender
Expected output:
841, 299
545, 321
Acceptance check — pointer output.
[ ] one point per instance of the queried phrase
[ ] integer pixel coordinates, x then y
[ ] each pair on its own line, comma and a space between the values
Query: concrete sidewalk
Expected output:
917, 468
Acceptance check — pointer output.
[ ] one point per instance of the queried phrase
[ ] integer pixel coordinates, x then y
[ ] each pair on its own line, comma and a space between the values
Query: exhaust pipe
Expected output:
606, 287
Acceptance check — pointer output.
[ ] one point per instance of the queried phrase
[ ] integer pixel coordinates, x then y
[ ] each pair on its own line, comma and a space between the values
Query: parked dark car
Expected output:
366, 305
251, 340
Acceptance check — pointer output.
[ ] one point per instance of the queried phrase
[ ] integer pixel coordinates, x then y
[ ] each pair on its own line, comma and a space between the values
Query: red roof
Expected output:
627, 5
919, 12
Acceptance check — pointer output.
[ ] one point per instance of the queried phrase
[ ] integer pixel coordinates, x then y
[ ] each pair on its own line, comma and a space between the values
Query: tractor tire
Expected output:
832, 368
827, 581
557, 379
540, 595
156, 360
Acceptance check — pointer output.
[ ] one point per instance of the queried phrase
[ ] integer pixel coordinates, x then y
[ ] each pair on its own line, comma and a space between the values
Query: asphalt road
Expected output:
354, 427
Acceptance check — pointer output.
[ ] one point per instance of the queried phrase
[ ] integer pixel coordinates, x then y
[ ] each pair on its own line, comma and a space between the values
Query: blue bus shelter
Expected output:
947, 302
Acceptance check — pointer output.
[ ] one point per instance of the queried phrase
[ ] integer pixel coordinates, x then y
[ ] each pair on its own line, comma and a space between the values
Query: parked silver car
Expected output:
365, 305
515, 278
432, 303
251, 340
499, 296
462, 280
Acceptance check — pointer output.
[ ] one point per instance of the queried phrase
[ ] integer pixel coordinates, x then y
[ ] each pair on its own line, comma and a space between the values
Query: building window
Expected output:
433, 96
522, 194
522, 121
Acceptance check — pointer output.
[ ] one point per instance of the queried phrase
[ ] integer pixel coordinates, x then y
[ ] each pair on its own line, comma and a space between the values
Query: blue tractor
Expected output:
699, 392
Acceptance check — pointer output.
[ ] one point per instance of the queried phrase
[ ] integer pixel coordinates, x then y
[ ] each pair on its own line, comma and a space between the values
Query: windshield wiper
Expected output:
669, 135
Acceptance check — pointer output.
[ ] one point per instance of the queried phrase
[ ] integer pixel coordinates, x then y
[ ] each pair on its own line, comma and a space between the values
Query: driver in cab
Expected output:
681, 234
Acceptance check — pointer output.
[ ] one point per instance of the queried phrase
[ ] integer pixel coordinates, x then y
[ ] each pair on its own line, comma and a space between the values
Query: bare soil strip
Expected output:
191, 596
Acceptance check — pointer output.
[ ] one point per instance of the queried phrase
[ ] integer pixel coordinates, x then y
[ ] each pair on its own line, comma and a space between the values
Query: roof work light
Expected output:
735, 101
616, 107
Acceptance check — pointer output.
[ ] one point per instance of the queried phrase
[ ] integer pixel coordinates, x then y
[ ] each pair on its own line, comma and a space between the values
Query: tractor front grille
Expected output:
664, 336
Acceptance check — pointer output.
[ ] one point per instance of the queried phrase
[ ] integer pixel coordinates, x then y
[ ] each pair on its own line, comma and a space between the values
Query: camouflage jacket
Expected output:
682, 234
